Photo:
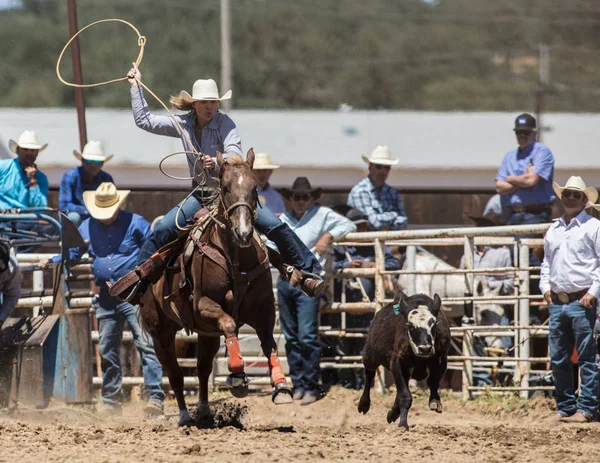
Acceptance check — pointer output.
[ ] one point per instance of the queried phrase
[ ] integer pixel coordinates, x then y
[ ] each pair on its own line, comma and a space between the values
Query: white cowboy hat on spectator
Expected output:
27, 140
104, 201
576, 183
92, 151
262, 161
204, 89
381, 155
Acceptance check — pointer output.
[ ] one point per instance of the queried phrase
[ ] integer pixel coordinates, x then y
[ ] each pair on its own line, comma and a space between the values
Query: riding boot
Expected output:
310, 284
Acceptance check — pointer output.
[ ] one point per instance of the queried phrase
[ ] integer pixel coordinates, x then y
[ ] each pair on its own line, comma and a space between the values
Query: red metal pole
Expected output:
77, 74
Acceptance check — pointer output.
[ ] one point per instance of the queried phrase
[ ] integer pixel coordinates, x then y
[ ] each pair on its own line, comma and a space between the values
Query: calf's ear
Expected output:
437, 303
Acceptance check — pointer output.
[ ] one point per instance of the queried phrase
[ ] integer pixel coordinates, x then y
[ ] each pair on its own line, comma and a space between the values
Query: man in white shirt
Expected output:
317, 227
570, 281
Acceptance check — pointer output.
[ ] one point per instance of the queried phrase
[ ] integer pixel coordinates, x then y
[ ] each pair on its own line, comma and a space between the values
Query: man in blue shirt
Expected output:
524, 179
22, 185
380, 202
115, 237
86, 177
267, 195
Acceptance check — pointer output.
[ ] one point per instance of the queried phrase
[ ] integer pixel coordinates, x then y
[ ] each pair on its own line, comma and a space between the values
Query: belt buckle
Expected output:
563, 298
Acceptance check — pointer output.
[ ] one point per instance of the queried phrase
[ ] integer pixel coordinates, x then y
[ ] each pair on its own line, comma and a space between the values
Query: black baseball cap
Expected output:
525, 122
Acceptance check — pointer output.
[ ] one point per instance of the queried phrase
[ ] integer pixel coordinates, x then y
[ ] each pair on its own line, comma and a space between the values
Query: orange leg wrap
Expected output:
277, 375
235, 360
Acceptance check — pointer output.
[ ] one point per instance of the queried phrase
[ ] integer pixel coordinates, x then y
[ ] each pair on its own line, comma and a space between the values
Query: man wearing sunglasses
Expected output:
524, 179
87, 177
380, 202
570, 282
317, 227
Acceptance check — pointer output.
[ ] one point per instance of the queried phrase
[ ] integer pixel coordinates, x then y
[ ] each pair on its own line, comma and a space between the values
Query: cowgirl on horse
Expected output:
209, 131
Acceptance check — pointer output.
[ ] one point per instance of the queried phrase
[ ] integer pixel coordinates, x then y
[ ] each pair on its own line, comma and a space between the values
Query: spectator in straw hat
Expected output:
115, 237
570, 282
21, 183
268, 196
88, 176
381, 202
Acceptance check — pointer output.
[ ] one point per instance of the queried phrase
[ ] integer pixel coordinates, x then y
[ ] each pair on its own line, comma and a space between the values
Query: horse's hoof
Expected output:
364, 405
393, 416
204, 418
238, 384
436, 406
184, 418
282, 394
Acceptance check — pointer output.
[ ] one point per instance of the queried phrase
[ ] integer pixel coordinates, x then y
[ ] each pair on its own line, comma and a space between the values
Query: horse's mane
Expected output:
234, 160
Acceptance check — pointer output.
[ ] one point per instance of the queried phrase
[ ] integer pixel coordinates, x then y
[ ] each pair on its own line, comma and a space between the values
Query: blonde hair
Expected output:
181, 103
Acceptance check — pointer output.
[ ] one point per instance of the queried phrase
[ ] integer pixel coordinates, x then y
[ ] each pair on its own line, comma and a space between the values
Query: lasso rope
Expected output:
142, 43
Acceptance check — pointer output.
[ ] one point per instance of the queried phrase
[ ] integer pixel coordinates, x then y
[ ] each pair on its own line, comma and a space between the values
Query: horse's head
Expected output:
238, 195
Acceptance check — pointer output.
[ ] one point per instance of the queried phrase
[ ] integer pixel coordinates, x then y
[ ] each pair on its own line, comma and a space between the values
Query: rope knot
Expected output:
141, 41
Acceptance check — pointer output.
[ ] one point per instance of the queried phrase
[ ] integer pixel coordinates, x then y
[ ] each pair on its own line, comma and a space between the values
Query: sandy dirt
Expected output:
488, 430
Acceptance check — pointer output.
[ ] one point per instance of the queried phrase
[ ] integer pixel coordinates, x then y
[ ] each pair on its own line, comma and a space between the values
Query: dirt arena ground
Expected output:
490, 429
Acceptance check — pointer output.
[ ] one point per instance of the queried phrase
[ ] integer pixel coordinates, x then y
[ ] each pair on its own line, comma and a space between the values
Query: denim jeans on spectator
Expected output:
293, 251
571, 325
112, 315
75, 217
528, 218
299, 320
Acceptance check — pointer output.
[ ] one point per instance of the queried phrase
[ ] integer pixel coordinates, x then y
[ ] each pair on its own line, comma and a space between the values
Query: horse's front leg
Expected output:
237, 380
282, 393
207, 349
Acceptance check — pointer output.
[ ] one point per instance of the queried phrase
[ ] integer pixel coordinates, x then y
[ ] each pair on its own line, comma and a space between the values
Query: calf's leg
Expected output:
436, 371
403, 400
364, 404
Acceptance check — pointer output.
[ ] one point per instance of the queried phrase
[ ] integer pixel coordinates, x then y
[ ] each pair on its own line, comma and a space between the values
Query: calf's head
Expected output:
421, 314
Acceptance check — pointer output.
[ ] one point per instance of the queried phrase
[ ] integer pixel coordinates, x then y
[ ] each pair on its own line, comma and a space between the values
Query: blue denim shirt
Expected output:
515, 162
70, 197
220, 135
114, 247
14, 192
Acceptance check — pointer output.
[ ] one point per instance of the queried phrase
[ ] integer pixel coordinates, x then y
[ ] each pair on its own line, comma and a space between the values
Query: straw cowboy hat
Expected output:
105, 201
576, 183
301, 185
262, 161
27, 140
204, 89
92, 151
381, 155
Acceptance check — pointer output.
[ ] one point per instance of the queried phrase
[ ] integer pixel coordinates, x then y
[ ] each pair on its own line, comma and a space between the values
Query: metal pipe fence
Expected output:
521, 332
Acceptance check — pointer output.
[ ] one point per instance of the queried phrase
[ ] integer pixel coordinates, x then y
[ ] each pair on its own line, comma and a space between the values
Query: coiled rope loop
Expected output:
142, 43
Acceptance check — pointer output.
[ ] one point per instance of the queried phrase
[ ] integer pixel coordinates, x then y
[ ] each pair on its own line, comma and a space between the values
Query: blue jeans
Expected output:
528, 218
112, 315
292, 250
75, 217
571, 326
299, 320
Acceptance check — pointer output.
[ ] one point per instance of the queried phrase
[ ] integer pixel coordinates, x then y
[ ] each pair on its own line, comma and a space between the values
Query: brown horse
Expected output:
225, 284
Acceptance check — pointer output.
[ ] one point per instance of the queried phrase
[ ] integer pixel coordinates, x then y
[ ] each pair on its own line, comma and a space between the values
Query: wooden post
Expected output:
523, 335
77, 74
467, 372
411, 262
467, 375
379, 297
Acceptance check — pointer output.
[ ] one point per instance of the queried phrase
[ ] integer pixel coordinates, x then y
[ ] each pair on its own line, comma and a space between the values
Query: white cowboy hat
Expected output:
27, 140
92, 151
262, 161
576, 183
381, 155
104, 201
204, 89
